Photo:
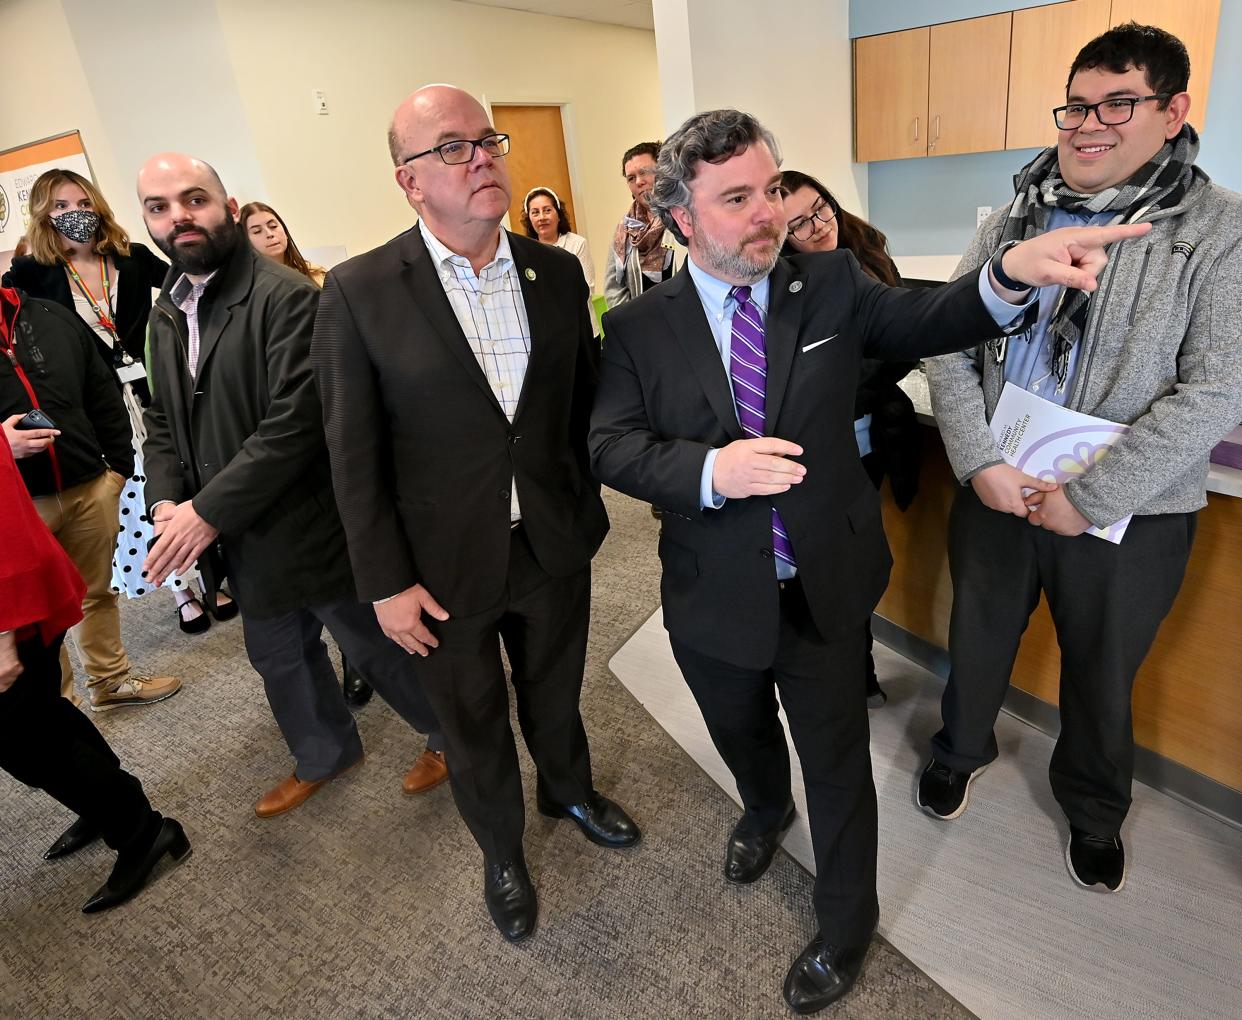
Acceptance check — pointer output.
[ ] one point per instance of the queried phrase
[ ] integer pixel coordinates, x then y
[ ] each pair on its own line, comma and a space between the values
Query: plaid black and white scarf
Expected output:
1160, 183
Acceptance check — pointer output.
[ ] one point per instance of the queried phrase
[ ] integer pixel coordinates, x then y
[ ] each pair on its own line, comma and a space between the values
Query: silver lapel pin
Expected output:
530, 275
795, 287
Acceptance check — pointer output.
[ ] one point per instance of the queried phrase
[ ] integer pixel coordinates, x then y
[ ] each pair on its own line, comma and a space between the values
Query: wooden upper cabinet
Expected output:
890, 95
968, 85
1045, 42
1194, 23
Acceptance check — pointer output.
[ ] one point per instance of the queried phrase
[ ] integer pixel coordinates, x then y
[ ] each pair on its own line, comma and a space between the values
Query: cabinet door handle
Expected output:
937, 138
916, 129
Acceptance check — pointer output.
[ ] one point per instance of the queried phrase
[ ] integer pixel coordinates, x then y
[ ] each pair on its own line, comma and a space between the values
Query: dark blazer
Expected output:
423, 455
137, 273
244, 439
73, 385
664, 401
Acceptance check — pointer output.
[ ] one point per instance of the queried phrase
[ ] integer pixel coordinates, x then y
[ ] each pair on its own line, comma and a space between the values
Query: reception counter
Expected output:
1188, 695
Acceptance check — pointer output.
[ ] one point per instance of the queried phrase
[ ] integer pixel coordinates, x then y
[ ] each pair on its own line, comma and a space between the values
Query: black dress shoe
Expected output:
357, 691
821, 975
510, 898
133, 867
749, 853
81, 833
602, 821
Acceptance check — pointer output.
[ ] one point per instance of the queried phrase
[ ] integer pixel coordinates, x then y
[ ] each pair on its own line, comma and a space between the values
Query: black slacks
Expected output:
305, 695
48, 744
821, 685
543, 622
1107, 603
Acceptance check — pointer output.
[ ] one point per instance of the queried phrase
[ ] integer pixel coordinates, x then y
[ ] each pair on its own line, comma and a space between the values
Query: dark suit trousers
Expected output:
48, 744
302, 688
821, 685
1107, 603
543, 622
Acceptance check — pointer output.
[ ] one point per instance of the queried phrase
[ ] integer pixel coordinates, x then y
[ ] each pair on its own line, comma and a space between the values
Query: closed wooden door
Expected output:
968, 85
1194, 23
537, 156
890, 95
1045, 42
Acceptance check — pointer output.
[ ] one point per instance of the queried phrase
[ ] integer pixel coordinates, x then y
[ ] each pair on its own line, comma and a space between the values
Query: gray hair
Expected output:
711, 137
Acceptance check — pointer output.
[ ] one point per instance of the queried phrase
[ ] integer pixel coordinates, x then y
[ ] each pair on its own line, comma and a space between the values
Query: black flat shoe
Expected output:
133, 869
226, 611
357, 691
510, 897
196, 625
602, 821
81, 833
821, 975
750, 853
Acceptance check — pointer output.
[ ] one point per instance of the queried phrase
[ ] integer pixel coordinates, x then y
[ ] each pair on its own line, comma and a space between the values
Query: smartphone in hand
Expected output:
36, 419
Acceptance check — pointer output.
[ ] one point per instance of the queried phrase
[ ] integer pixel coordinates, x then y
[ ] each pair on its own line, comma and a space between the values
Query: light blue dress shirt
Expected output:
1028, 359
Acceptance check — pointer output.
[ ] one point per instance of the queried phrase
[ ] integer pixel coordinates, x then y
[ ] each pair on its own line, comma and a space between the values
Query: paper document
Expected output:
1051, 442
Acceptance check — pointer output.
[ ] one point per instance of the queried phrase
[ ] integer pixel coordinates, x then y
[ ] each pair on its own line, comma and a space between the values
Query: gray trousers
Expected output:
302, 687
1107, 604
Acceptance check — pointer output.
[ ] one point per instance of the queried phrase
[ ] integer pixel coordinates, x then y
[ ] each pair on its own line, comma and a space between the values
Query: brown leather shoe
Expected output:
292, 792
425, 773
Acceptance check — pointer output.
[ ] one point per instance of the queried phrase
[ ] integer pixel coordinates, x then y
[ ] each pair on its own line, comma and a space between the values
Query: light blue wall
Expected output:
871, 17
927, 206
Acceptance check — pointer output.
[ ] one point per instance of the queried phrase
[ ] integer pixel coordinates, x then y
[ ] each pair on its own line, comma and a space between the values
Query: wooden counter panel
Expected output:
1188, 695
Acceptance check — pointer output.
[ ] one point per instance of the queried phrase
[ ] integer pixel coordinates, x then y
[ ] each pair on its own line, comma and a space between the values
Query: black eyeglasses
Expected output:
461, 150
803, 229
1109, 112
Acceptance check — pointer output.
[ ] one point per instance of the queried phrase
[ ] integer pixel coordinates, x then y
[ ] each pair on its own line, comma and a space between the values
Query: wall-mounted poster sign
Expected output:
20, 167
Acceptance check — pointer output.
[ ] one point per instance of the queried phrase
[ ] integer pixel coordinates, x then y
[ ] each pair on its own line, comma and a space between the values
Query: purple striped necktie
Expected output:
748, 371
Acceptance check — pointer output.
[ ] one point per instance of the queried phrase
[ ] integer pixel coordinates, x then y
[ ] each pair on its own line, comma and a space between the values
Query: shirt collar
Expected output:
714, 293
443, 255
180, 291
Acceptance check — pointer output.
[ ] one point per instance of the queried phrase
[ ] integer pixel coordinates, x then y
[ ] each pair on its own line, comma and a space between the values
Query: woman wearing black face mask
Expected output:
82, 259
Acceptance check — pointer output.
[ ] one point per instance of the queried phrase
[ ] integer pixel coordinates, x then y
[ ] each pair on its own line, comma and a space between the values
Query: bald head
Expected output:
177, 164
187, 211
429, 104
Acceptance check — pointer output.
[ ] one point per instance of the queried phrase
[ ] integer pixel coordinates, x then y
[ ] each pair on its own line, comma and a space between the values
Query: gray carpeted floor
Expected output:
366, 903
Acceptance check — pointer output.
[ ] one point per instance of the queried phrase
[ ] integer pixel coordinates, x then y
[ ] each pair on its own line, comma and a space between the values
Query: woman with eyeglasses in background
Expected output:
885, 426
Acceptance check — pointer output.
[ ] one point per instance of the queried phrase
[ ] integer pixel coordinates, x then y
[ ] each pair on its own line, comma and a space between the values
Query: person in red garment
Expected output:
45, 742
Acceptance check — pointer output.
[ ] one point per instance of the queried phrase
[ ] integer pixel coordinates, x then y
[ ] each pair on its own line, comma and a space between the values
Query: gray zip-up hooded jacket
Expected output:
1162, 353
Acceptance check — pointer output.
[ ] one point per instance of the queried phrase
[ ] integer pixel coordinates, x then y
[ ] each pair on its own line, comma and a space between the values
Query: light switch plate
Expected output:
319, 101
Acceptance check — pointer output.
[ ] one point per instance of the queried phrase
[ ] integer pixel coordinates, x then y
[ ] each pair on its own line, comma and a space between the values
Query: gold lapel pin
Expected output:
795, 287
530, 275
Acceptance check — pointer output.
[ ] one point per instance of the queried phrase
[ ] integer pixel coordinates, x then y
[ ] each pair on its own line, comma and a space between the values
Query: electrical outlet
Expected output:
981, 213
319, 101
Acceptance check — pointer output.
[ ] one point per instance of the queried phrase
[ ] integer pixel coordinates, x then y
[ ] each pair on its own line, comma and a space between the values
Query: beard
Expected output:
738, 264
203, 256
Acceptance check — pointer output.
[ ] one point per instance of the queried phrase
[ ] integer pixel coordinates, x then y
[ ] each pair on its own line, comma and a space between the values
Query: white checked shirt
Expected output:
185, 295
492, 314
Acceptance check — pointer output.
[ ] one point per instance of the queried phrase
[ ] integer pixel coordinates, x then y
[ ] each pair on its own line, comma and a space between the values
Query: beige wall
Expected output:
796, 78
330, 177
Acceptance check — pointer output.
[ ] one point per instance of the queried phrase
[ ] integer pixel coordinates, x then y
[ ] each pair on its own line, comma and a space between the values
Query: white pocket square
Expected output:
811, 347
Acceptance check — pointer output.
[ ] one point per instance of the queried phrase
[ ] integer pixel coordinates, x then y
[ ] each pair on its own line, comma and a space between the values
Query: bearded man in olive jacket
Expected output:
238, 476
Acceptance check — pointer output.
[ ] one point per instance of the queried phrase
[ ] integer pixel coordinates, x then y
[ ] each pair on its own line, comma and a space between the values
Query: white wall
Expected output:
231, 81
789, 64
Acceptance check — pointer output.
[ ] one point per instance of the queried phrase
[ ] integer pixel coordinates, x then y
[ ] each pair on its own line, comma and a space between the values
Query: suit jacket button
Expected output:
504, 493
766, 553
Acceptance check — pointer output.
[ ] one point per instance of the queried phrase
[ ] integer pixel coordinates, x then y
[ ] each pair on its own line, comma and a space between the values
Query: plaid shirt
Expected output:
492, 314
185, 295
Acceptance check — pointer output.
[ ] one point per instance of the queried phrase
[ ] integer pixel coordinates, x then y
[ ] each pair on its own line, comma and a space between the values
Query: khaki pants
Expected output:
85, 520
